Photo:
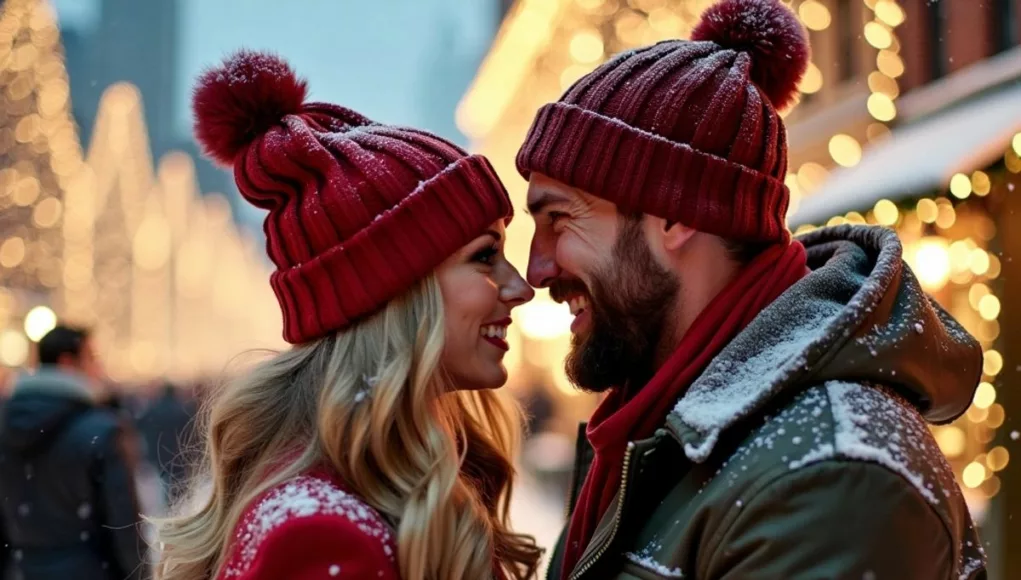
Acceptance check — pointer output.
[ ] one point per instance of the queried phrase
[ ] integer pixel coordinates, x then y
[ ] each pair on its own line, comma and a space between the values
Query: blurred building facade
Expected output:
909, 117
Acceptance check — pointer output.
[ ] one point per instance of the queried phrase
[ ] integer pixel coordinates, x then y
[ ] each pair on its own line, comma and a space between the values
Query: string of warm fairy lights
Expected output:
947, 242
163, 275
879, 32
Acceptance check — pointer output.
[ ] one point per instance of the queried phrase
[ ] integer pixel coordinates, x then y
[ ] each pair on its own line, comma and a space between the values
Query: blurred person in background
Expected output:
68, 507
166, 426
375, 448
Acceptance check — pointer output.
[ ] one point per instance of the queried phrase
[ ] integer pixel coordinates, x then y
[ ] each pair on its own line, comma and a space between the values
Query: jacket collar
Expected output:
844, 309
51, 380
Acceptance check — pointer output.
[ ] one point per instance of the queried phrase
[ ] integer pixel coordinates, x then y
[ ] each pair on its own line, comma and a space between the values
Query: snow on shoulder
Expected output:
304, 496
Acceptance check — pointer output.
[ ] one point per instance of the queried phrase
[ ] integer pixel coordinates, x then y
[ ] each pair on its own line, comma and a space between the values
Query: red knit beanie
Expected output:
358, 211
685, 130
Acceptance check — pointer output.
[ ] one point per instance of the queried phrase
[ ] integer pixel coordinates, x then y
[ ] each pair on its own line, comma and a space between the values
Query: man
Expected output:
68, 507
767, 399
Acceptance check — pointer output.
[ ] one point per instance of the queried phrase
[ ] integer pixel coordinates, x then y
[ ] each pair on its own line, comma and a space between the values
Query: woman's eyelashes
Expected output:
486, 256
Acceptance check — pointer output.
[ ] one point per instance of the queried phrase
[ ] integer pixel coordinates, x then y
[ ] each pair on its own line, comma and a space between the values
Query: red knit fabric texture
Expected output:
685, 130
358, 211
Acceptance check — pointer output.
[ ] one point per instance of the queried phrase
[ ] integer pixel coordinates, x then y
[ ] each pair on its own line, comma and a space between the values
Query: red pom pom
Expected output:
770, 34
241, 99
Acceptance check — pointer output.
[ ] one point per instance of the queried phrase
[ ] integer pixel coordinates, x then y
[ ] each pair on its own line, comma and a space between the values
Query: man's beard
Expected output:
630, 302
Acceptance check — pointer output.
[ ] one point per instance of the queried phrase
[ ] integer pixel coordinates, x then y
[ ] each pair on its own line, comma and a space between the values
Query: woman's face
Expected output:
480, 288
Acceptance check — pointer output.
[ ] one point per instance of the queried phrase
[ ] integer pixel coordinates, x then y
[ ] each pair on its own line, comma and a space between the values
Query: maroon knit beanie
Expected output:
358, 211
685, 130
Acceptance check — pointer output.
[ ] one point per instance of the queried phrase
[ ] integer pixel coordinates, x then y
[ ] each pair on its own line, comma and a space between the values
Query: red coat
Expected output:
310, 528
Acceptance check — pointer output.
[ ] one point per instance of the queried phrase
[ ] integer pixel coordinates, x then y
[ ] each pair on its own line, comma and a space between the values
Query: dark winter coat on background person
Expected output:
68, 504
803, 450
166, 426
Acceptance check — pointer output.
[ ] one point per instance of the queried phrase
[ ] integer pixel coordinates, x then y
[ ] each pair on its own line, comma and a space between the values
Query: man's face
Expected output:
600, 263
86, 363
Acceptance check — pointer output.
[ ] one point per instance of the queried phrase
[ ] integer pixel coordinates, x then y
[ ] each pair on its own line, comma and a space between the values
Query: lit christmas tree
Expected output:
40, 155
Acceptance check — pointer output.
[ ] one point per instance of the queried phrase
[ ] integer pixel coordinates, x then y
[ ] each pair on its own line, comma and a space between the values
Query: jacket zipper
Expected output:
617, 516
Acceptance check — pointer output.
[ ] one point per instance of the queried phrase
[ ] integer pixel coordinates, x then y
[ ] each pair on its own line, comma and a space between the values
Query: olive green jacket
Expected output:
803, 451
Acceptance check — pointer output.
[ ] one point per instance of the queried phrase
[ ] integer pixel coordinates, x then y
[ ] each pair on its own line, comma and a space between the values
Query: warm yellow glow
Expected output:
931, 263
988, 331
996, 416
985, 395
876, 132
886, 212
960, 186
855, 218
13, 348
1012, 160
992, 363
544, 319
39, 321
571, 74
976, 415
151, 246
12, 252
980, 183
947, 216
880, 83
976, 293
978, 261
814, 15
1016, 144
927, 210
812, 81
836, 221
878, 35
664, 21
890, 64
951, 440
586, 46
997, 458
989, 307
845, 150
889, 12
46, 212
974, 474
881, 107
994, 267
811, 175
26, 191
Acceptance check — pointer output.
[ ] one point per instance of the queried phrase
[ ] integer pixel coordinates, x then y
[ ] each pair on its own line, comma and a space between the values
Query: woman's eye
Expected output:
555, 217
486, 256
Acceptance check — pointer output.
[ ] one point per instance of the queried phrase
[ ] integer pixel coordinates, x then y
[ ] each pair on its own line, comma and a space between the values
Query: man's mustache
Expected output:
560, 289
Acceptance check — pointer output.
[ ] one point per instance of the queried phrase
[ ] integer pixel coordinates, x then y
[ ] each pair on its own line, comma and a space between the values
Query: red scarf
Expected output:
618, 420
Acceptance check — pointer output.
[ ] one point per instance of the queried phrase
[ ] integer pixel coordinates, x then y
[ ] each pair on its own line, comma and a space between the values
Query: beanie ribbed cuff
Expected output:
402, 246
644, 172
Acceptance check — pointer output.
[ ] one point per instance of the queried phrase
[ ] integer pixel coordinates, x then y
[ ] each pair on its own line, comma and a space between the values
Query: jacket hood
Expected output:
42, 404
860, 315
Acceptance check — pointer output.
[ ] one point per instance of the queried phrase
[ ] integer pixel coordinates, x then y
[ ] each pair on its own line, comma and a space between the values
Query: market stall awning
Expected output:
920, 157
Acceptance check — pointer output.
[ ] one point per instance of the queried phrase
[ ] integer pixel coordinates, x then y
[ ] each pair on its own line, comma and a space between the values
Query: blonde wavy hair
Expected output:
431, 459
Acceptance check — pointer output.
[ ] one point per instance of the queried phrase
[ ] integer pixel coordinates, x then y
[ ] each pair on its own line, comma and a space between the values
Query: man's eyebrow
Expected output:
544, 199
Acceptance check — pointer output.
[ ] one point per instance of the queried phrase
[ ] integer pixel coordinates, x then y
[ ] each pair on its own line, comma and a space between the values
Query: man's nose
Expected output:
542, 263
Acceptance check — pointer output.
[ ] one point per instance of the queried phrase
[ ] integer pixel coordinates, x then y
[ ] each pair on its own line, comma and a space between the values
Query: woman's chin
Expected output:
490, 378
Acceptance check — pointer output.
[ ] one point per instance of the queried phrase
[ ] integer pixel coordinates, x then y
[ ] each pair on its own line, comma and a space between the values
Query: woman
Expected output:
375, 448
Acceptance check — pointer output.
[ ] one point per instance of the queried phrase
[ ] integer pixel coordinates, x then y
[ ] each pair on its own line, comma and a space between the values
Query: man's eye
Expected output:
556, 216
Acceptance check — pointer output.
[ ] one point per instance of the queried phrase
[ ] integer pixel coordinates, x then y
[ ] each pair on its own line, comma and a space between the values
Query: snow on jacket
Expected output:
803, 450
311, 528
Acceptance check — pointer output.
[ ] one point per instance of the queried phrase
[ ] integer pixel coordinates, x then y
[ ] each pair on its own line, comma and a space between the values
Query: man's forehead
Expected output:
543, 191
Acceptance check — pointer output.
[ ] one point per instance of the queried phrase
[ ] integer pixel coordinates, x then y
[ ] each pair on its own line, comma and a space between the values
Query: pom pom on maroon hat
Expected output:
241, 99
770, 34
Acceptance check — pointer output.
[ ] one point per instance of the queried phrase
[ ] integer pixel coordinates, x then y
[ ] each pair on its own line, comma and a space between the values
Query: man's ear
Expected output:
675, 235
